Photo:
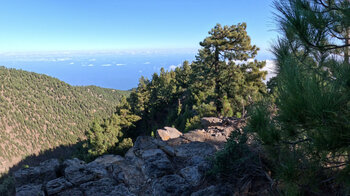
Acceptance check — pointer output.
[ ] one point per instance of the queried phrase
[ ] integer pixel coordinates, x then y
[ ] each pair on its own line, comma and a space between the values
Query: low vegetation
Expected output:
38, 112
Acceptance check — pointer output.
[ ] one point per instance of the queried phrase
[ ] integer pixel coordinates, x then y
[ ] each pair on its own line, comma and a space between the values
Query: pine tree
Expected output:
224, 51
307, 135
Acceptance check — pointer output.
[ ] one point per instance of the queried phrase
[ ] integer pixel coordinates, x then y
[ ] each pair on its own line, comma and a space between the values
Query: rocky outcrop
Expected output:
168, 133
170, 165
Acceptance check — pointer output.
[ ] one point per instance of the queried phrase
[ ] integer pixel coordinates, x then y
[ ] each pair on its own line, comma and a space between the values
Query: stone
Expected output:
219, 190
144, 143
194, 149
81, 173
192, 175
71, 192
171, 185
46, 171
103, 186
210, 121
156, 163
57, 185
168, 133
107, 160
30, 190
120, 190
132, 176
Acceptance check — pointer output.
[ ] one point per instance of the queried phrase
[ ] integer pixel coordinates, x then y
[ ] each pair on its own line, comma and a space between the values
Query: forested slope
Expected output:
38, 112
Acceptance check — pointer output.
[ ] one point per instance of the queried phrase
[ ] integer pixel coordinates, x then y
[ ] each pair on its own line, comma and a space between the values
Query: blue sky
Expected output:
49, 25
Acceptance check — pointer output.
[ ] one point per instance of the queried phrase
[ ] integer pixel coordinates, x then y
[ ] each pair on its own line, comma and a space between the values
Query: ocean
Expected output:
116, 70
109, 69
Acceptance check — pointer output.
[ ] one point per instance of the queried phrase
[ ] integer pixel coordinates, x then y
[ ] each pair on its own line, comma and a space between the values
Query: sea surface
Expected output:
116, 70
109, 69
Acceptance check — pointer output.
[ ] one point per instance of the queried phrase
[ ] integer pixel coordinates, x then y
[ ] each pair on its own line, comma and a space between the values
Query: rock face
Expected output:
168, 133
173, 164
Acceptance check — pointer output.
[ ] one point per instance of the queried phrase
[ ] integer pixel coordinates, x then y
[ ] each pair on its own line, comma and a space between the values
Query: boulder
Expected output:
194, 149
192, 175
131, 175
219, 190
57, 185
107, 160
171, 185
30, 190
156, 163
168, 133
78, 173
103, 186
120, 190
46, 171
71, 192
211, 121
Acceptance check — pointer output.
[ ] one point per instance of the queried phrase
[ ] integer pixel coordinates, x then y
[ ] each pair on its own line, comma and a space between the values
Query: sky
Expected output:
55, 25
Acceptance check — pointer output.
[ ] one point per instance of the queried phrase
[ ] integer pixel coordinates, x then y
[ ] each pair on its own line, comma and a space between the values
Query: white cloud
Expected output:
120, 64
147, 63
173, 67
90, 65
140, 71
270, 67
106, 65
72, 63
92, 59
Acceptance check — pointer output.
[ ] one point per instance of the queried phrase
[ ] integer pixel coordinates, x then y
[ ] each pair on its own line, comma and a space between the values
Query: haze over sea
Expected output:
109, 69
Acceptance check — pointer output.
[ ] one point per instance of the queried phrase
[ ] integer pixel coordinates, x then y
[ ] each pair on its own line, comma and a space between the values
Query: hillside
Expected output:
38, 112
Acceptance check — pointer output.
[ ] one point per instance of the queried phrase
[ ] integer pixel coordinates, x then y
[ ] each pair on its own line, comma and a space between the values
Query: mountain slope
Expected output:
38, 112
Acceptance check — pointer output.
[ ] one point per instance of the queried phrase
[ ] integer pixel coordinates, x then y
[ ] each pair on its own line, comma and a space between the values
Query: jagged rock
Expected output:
71, 192
211, 121
103, 186
107, 160
192, 175
120, 190
156, 163
78, 173
30, 190
46, 171
171, 185
194, 149
219, 190
145, 143
168, 133
132, 176
57, 185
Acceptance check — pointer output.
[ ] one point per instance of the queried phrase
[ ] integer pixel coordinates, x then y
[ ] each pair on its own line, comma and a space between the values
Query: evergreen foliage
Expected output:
107, 135
38, 112
306, 131
223, 80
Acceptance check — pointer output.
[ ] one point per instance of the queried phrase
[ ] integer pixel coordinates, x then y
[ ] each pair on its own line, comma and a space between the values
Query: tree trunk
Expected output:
347, 48
218, 101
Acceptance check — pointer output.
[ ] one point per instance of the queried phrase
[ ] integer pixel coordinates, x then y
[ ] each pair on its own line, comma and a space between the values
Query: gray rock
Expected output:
132, 176
170, 185
107, 160
30, 190
194, 149
156, 163
168, 133
71, 192
120, 190
103, 186
219, 190
46, 171
211, 121
144, 143
57, 185
80, 173
192, 175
